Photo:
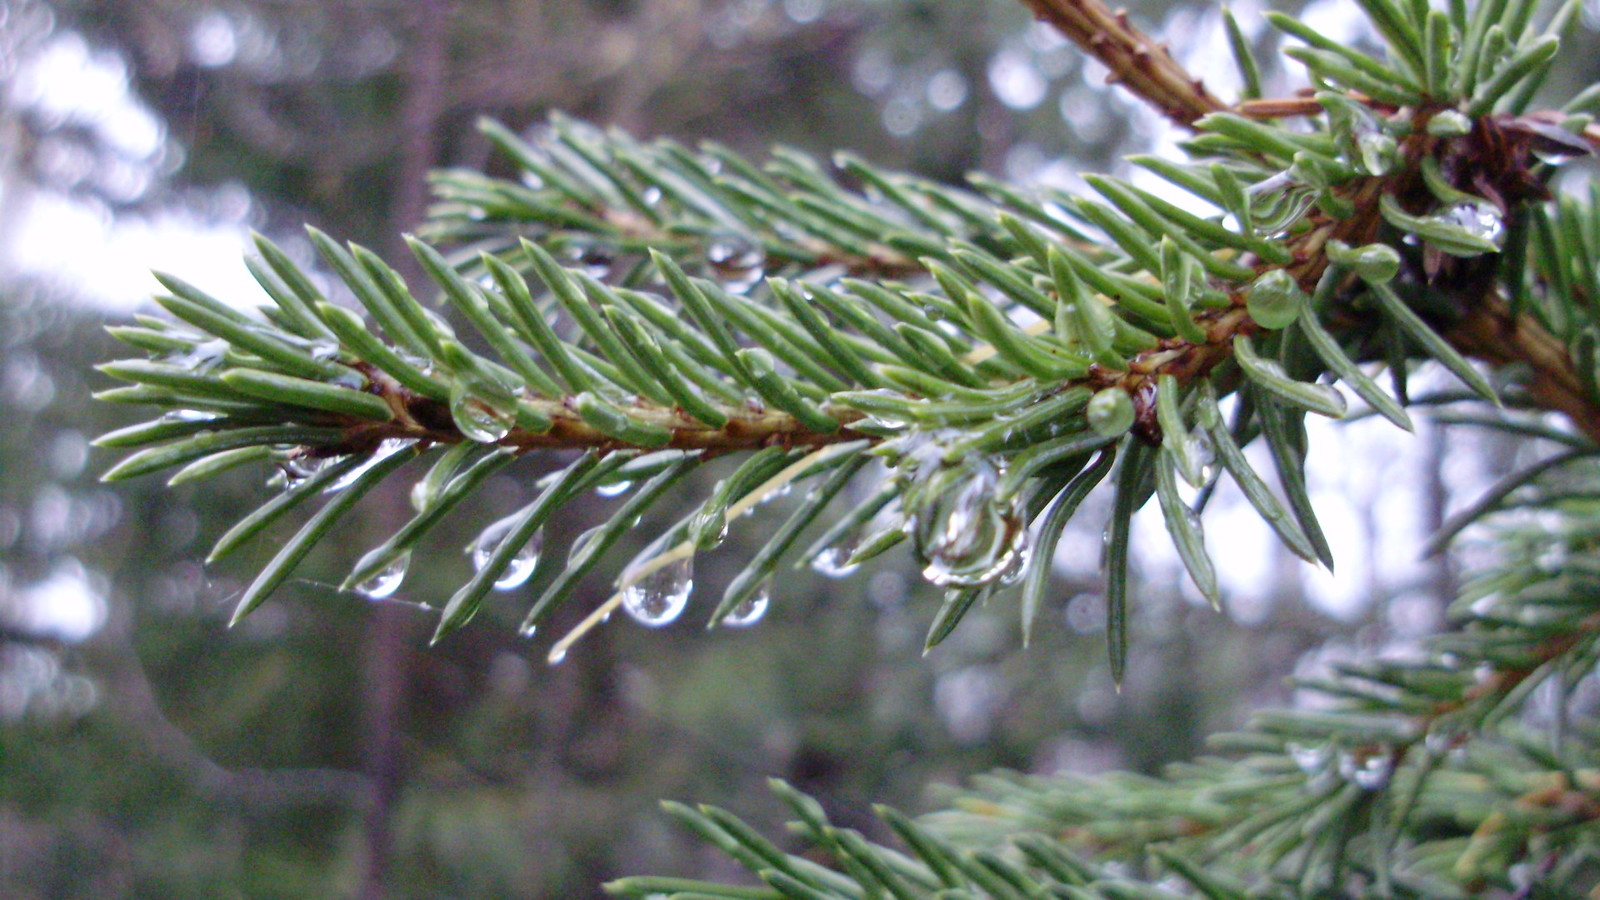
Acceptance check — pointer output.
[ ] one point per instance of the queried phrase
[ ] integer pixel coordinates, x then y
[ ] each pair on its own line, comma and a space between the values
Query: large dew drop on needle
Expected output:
659, 598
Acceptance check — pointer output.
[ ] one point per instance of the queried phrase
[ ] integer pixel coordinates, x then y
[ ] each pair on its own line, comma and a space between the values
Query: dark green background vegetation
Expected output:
321, 748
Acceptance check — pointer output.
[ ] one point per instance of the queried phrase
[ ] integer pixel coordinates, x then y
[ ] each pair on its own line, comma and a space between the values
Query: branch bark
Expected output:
1139, 64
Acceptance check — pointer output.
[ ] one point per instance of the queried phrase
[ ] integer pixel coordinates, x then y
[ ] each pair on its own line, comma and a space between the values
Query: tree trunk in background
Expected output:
383, 700
428, 49
386, 669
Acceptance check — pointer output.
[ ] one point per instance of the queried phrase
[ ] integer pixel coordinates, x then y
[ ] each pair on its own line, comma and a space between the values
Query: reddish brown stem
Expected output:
1136, 62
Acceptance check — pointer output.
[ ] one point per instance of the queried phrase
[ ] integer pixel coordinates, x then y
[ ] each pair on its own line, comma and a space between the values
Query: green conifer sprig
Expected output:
1411, 776
635, 309
646, 302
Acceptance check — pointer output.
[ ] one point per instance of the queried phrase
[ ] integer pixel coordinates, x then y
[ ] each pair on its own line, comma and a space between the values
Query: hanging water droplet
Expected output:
294, 470
737, 261
324, 349
1441, 740
1449, 123
386, 449
477, 421
1309, 759
580, 544
1378, 151
1193, 454
834, 561
558, 655
189, 415
614, 489
884, 423
1110, 412
1555, 154
1279, 214
1479, 219
422, 494
1019, 566
1274, 300
520, 569
1369, 770
708, 528
651, 195
595, 262
659, 598
527, 629
1555, 144
1375, 263
970, 538
752, 608
1205, 455
205, 356
350, 379
387, 581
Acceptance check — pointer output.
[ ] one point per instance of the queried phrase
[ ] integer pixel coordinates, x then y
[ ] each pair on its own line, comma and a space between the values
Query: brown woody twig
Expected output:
1136, 62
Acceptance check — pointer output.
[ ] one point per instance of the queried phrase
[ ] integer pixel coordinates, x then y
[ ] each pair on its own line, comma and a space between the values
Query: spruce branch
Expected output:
656, 306
1002, 351
1410, 778
1140, 64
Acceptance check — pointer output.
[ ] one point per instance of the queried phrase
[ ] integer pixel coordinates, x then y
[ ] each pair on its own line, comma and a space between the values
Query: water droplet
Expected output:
970, 538
1110, 412
520, 569
204, 357
355, 381
580, 544
189, 415
614, 489
387, 581
476, 419
527, 629
1275, 300
1555, 144
1476, 218
1194, 455
1205, 455
558, 655
1378, 152
1441, 740
885, 423
834, 561
651, 195
423, 494
1375, 263
752, 608
294, 470
737, 261
659, 598
1019, 566
595, 262
1555, 154
1277, 203
323, 350
1309, 759
386, 449
1449, 123
1370, 770
708, 529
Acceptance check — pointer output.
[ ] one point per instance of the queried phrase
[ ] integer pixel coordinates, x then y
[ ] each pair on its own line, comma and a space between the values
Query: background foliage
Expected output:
440, 774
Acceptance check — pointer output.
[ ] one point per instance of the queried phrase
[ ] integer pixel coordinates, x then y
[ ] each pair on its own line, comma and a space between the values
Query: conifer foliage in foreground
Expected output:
984, 358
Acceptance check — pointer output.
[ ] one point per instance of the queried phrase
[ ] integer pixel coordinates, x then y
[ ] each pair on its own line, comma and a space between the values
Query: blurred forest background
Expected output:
322, 749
